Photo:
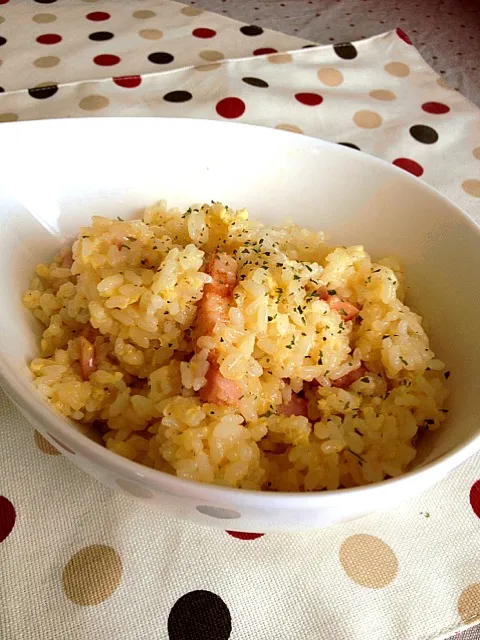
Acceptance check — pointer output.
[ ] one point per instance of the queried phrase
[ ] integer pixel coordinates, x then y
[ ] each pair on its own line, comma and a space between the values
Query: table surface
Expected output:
446, 32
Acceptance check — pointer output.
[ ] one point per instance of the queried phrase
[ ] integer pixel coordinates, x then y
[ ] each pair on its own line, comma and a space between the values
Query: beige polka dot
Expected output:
280, 58
191, 11
368, 561
329, 76
46, 62
43, 18
469, 603
208, 67
93, 103
134, 489
289, 127
211, 56
151, 34
44, 445
472, 187
92, 574
367, 119
444, 84
383, 94
476, 153
143, 14
398, 69
8, 117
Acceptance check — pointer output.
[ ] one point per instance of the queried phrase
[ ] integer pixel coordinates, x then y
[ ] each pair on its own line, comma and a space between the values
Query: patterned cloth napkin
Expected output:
80, 561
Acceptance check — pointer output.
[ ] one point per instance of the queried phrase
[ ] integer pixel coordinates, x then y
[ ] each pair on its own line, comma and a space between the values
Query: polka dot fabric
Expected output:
109, 566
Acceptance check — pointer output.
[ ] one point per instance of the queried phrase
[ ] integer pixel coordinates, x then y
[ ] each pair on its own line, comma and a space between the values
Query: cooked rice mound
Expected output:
307, 372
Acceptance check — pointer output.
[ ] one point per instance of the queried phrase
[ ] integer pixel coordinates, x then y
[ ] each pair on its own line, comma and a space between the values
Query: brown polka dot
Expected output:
134, 489
151, 34
289, 127
329, 76
476, 153
143, 14
208, 67
2, 19
280, 58
93, 103
469, 603
46, 62
367, 119
368, 561
92, 574
397, 69
444, 84
44, 445
8, 117
44, 18
472, 187
211, 56
383, 94
191, 11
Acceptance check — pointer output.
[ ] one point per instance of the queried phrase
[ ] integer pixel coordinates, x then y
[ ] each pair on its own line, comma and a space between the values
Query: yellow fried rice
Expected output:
130, 290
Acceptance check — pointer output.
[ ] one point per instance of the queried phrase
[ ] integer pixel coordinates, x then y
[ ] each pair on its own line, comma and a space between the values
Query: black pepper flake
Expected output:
447, 374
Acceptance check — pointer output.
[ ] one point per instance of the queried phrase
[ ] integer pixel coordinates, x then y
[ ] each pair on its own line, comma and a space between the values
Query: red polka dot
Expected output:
202, 32
106, 60
475, 498
97, 16
128, 82
7, 518
401, 34
409, 165
230, 107
49, 38
310, 99
263, 51
244, 536
3, 1
436, 108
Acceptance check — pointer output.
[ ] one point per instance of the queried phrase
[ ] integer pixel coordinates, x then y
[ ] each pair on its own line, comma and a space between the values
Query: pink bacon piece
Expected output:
346, 309
213, 307
297, 406
345, 381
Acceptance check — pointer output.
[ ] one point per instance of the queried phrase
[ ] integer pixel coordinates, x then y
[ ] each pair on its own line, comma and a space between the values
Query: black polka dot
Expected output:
178, 96
345, 50
424, 134
2, 90
161, 57
350, 144
199, 615
41, 93
255, 82
101, 36
45, 1
2, 40
251, 30
218, 512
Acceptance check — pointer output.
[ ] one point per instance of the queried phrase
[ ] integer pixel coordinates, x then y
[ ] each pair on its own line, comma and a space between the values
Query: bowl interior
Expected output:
60, 173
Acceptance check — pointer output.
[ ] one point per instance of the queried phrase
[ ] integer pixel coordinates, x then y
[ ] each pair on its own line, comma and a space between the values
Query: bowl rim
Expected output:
37, 409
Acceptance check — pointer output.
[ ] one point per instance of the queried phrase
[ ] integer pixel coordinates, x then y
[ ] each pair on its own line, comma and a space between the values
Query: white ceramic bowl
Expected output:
56, 174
